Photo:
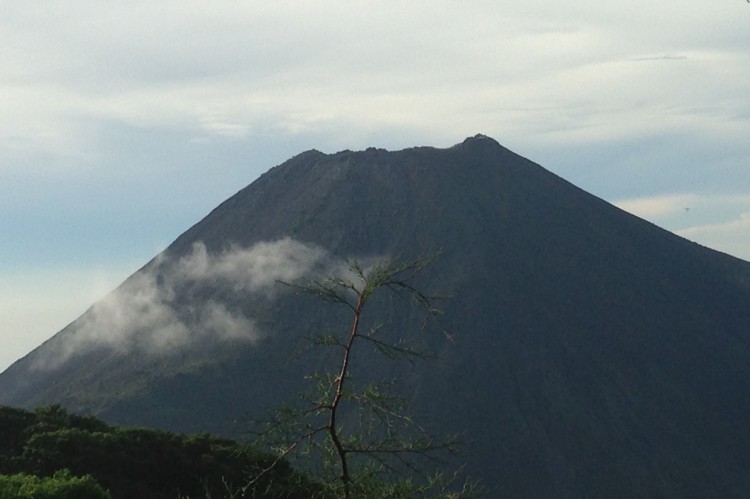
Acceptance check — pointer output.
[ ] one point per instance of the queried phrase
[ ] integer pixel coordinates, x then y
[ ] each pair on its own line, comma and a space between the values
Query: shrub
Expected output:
61, 485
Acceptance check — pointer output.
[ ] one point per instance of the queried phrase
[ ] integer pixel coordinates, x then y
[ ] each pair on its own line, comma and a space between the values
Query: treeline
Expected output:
49, 453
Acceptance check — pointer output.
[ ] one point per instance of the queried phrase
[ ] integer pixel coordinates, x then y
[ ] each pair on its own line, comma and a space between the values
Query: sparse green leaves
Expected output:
357, 430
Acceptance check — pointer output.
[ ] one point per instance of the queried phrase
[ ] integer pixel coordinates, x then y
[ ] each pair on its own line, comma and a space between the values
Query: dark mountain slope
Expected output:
594, 355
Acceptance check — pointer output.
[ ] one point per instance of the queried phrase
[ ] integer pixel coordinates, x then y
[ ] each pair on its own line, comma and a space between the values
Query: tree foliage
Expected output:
136, 462
61, 485
357, 428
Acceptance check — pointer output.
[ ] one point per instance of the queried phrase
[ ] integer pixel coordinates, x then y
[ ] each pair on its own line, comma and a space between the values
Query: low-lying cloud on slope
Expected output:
143, 314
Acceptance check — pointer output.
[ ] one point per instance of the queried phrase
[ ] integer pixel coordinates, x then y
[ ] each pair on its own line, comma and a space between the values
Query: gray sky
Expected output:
126, 122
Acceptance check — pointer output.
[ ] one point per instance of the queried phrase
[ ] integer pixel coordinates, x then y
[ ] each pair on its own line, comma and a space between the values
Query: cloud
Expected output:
663, 57
732, 237
154, 314
655, 207
248, 69
34, 302
719, 221
253, 270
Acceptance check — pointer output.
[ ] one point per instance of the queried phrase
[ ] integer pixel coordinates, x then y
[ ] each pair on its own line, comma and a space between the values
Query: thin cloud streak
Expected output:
731, 237
721, 222
660, 206
665, 57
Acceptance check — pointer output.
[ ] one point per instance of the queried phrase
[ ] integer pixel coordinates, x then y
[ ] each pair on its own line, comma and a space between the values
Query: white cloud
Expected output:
36, 302
652, 208
576, 74
732, 237
256, 269
719, 221
142, 314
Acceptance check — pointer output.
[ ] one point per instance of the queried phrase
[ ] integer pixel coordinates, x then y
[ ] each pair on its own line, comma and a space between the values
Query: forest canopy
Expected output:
50, 452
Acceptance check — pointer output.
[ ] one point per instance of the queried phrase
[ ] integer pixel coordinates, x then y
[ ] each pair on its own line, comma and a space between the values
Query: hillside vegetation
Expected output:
50, 453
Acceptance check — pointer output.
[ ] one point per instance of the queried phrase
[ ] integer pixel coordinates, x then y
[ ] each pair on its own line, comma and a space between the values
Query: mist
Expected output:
144, 314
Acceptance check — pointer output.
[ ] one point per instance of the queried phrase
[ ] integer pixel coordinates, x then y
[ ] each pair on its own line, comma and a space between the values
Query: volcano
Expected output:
591, 353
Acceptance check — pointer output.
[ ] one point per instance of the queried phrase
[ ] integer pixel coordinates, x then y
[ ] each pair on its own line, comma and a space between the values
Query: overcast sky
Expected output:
123, 123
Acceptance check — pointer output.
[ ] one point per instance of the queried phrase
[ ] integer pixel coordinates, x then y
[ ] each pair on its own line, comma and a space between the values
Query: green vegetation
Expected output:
35, 448
352, 426
61, 485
